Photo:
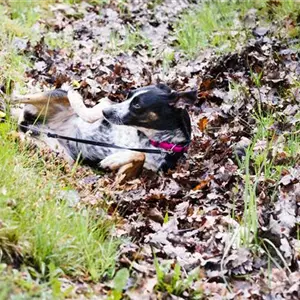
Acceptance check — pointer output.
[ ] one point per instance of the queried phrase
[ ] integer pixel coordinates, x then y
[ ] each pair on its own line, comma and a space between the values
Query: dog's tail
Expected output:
54, 95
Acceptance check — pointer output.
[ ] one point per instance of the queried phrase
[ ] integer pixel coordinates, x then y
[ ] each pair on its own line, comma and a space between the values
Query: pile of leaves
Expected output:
192, 230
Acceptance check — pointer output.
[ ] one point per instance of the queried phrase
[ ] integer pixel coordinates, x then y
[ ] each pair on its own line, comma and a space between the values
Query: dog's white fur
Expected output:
89, 115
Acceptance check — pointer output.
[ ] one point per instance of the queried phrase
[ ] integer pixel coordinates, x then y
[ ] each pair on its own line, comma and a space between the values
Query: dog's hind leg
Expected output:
58, 96
89, 115
43, 105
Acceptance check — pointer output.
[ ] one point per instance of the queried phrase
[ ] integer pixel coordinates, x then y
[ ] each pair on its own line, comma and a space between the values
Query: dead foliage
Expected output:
192, 216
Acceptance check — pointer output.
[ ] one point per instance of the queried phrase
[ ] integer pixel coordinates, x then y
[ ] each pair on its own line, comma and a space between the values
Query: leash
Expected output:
89, 142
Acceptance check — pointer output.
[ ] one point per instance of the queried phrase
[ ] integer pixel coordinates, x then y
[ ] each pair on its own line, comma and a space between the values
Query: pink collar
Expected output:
169, 146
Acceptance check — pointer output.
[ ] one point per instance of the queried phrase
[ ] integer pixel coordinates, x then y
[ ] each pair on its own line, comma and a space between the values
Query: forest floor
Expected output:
226, 223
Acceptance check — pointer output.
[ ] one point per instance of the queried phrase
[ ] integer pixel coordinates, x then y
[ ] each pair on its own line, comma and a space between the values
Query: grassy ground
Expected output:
41, 232
224, 25
44, 239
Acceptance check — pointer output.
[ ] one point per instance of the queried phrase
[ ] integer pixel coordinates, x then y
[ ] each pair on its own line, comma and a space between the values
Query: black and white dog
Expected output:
148, 119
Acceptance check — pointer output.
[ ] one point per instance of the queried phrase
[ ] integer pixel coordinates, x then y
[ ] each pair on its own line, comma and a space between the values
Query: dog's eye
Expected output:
136, 106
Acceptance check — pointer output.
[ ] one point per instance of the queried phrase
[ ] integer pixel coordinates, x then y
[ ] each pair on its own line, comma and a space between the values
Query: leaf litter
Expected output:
191, 216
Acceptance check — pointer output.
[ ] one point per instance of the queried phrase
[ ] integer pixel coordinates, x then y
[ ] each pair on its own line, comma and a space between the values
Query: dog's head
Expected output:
151, 107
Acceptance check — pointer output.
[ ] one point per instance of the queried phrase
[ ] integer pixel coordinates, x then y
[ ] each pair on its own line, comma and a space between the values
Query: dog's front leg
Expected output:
89, 115
129, 163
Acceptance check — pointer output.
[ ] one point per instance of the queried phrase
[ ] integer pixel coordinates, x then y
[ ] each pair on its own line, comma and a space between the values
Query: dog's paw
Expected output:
119, 159
106, 102
66, 86
114, 161
74, 96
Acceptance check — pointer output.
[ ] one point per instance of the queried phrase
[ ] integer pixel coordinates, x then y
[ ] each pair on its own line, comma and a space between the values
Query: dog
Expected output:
149, 118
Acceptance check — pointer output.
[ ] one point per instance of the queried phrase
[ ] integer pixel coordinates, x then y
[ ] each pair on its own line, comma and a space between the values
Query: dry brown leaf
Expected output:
202, 124
202, 184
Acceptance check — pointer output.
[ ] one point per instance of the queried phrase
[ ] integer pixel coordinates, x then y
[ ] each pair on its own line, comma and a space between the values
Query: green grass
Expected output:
265, 162
40, 230
256, 166
261, 166
18, 19
220, 24
212, 25
21, 19
171, 279
131, 41
119, 284
26, 12
168, 57
59, 40
13, 63
285, 9
42, 238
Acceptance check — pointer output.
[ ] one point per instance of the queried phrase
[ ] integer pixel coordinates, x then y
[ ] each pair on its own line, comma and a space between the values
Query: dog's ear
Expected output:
129, 93
164, 87
174, 97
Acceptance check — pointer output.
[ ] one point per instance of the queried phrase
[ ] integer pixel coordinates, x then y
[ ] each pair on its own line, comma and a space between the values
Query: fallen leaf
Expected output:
202, 124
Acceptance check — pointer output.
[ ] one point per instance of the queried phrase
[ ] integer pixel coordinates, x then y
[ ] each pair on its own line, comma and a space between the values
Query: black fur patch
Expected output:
29, 119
